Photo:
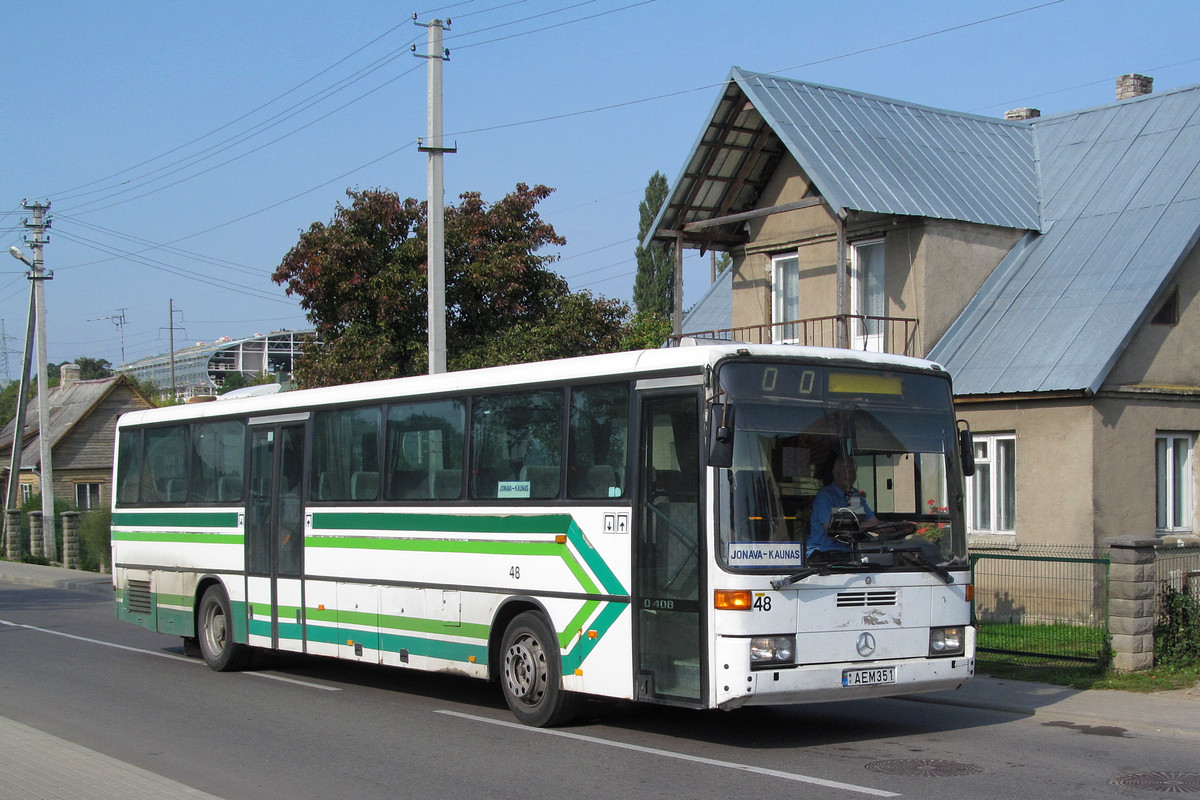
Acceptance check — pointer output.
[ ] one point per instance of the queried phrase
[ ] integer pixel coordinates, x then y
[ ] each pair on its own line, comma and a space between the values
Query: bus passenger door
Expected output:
669, 551
275, 537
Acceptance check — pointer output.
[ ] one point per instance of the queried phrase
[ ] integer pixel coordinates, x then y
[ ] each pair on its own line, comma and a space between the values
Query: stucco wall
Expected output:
1054, 457
1166, 355
933, 267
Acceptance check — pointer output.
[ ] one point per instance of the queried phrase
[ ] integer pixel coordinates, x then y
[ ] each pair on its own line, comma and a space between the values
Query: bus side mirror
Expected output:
966, 448
720, 434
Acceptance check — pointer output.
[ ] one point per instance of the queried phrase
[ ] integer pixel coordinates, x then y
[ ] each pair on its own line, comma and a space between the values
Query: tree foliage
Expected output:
654, 284
362, 279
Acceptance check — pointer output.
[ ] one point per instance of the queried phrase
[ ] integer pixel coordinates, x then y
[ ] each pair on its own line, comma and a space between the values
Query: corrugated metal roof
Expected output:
869, 153
862, 153
1120, 188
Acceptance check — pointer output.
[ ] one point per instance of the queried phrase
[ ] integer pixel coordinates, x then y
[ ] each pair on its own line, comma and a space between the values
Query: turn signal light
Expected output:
733, 599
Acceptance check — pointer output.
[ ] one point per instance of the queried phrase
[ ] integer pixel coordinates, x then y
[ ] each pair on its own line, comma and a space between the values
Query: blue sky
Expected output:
184, 146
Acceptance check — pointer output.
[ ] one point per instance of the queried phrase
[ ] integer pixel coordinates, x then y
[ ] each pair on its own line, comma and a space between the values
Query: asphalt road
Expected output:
297, 727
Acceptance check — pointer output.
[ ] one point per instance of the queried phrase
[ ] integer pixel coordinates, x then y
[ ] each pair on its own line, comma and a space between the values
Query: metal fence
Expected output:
1178, 568
1042, 602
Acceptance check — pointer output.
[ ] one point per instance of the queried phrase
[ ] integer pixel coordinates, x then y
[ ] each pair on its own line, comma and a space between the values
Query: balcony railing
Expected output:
894, 335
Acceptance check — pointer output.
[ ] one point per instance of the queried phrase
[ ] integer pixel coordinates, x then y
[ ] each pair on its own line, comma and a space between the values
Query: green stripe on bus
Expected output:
177, 519
188, 537
442, 523
583, 648
385, 642
557, 524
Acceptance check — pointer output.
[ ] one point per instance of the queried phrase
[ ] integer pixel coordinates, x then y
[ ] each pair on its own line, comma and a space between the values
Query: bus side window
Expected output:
516, 445
598, 438
345, 450
164, 465
129, 467
424, 450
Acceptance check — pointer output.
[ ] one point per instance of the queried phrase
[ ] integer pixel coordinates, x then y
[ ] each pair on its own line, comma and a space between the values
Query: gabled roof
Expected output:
1110, 197
862, 153
1120, 189
68, 405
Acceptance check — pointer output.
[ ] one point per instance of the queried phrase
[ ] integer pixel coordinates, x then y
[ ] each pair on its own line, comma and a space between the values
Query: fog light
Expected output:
768, 652
946, 641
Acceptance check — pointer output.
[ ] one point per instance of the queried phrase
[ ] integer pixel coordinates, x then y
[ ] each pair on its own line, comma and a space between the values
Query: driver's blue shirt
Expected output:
829, 498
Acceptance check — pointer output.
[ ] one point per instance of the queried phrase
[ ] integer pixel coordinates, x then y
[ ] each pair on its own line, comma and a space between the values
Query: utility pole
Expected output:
171, 339
11, 499
38, 301
435, 209
117, 319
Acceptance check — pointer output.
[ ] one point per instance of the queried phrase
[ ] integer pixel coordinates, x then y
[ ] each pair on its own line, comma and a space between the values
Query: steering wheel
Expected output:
886, 531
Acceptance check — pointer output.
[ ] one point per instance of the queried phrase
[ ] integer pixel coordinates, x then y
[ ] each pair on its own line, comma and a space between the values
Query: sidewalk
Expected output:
26, 755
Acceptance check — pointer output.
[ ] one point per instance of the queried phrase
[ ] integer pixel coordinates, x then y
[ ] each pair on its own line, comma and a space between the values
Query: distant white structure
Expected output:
202, 368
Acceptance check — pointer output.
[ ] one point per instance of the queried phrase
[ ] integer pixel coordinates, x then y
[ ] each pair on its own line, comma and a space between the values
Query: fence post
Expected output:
12, 530
35, 534
70, 539
1132, 602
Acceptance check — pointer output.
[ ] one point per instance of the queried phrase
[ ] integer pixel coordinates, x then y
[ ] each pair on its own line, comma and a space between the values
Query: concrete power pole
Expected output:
435, 205
38, 302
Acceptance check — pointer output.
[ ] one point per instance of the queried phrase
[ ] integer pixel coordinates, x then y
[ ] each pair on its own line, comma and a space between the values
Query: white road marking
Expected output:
712, 762
161, 654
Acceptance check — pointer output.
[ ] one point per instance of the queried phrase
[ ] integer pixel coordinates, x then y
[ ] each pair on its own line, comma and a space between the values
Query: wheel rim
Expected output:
525, 672
214, 628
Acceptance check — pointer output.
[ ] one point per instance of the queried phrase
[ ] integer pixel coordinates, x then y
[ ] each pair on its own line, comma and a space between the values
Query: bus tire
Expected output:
215, 633
531, 673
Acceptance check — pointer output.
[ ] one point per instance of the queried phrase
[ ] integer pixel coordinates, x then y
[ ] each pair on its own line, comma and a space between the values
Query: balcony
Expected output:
894, 335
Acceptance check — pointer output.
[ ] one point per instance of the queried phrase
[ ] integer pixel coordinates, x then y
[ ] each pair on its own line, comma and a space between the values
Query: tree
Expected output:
93, 368
654, 284
362, 280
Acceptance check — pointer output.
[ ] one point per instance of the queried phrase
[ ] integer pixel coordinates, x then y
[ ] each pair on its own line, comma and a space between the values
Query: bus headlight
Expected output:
947, 641
768, 652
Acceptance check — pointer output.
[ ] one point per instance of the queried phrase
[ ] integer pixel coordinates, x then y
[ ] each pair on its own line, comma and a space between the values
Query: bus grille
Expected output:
862, 599
137, 598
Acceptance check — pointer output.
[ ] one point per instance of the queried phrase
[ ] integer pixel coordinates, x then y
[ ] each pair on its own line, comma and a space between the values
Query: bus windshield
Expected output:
838, 465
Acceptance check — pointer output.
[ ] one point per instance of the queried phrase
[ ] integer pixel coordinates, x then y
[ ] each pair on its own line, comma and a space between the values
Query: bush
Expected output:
1177, 633
95, 541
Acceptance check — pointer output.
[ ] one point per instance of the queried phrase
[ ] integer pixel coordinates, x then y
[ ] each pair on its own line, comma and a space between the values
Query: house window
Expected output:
1173, 481
868, 302
87, 496
992, 495
786, 290
26, 492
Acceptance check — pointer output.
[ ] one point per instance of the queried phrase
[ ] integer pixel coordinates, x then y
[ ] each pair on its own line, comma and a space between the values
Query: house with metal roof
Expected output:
1049, 262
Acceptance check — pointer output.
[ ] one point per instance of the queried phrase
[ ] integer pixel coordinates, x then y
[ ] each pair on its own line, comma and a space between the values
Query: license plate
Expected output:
868, 677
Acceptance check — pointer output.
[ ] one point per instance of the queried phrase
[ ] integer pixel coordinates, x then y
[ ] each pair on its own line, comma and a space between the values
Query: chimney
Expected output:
68, 374
1022, 113
1133, 86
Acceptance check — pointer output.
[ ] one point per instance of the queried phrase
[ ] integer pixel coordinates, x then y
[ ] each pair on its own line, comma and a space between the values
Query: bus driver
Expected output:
840, 493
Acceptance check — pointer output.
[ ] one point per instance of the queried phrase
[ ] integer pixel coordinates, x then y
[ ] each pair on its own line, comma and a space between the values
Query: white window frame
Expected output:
1173, 498
87, 505
26, 492
779, 264
869, 336
991, 466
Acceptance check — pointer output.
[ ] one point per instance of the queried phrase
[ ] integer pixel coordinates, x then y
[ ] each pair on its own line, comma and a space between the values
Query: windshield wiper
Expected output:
828, 568
919, 559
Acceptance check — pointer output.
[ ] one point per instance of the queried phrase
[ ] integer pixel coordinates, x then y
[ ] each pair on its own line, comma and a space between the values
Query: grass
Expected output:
1087, 676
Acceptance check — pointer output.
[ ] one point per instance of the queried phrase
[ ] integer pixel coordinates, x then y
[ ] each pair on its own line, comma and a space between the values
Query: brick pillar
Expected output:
12, 531
70, 553
35, 534
1132, 611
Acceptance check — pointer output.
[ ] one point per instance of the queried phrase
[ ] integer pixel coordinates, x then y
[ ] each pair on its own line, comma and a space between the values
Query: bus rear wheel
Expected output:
531, 673
215, 632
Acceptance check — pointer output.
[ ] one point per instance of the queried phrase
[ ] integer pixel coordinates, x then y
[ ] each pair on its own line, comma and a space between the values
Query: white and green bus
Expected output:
631, 526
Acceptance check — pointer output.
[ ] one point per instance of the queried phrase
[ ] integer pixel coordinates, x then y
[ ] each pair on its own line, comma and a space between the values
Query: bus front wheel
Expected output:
215, 633
532, 674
